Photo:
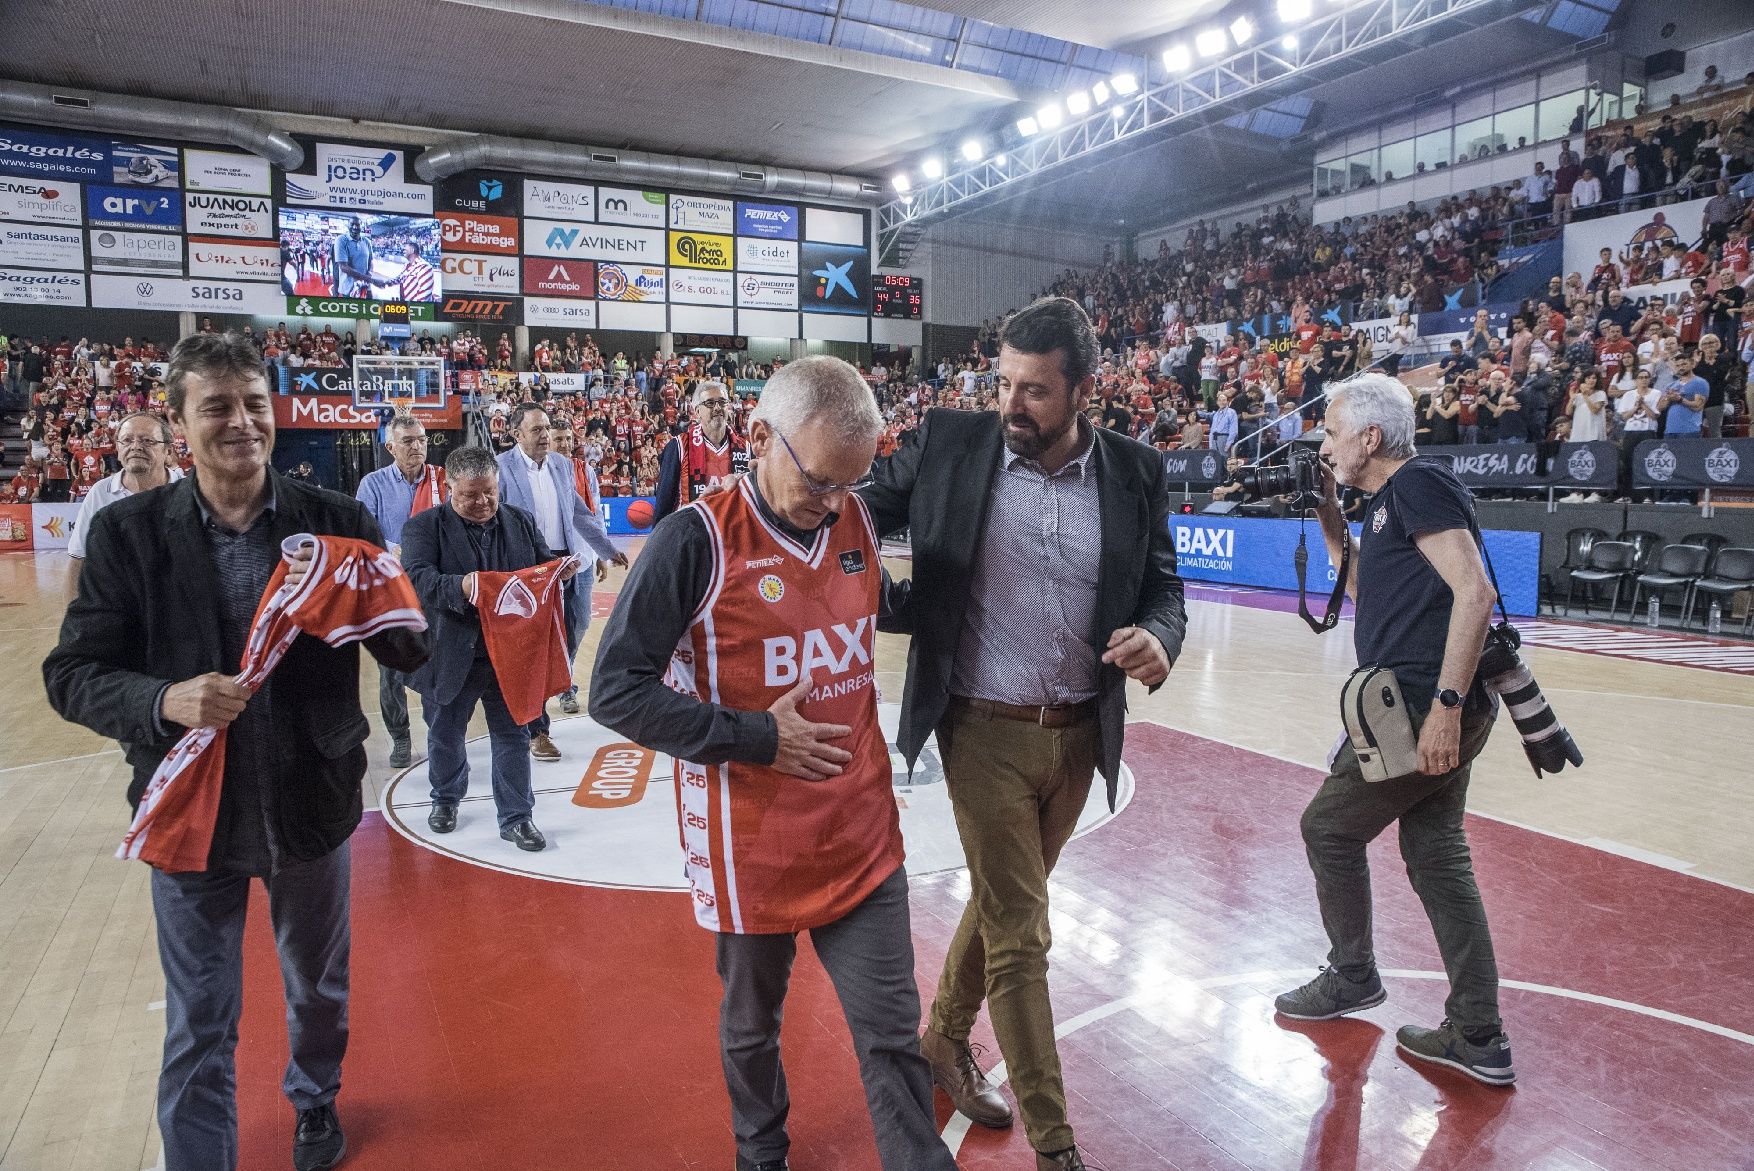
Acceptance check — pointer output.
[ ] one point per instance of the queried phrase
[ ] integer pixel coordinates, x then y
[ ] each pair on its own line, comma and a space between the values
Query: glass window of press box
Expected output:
1526, 113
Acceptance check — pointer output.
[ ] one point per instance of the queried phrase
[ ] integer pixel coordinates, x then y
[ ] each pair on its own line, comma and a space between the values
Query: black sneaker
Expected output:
317, 1143
765, 1165
1445, 1045
1331, 995
401, 752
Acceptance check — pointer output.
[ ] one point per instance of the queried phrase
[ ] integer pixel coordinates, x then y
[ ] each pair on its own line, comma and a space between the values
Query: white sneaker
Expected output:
1574, 498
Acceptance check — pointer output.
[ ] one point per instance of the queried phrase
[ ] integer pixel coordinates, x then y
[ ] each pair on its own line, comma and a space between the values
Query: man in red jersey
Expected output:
705, 454
758, 606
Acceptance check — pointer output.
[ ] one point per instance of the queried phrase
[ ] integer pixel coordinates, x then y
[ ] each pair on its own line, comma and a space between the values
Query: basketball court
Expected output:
558, 1010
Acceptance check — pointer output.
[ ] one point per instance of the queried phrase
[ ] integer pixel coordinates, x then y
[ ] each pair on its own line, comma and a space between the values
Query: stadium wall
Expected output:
976, 269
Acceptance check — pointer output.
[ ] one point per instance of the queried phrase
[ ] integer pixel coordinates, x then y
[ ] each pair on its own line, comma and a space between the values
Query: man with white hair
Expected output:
706, 453
143, 442
758, 606
1424, 604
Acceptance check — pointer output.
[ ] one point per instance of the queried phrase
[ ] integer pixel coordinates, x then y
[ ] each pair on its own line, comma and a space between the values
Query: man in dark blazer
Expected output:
441, 548
149, 648
1043, 578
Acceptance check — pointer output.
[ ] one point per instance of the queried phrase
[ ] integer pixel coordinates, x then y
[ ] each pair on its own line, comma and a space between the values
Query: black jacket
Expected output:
437, 554
147, 614
940, 489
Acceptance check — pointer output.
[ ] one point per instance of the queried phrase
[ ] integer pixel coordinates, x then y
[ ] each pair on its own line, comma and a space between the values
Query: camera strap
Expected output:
1337, 600
1491, 574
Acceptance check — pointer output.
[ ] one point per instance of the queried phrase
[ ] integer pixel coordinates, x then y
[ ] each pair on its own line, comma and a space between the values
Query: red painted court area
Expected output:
504, 1022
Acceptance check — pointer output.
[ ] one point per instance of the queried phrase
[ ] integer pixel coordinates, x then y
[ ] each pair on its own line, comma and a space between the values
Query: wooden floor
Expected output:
1174, 925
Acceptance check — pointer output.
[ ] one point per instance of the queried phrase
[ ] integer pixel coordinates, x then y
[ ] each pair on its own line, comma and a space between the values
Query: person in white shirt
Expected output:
1586, 193
1588, 420
1538, 190
1641, 411
143, 442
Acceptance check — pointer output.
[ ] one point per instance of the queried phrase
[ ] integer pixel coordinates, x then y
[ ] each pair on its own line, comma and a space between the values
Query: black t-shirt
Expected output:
1404, 606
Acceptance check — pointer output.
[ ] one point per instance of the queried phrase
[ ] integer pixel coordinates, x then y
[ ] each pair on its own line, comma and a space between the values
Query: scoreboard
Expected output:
898, 296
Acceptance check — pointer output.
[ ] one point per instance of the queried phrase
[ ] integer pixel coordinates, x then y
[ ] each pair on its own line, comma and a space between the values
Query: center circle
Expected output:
608, 810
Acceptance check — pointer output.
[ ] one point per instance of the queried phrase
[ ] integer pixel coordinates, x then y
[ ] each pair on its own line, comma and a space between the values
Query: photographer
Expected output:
1423, 606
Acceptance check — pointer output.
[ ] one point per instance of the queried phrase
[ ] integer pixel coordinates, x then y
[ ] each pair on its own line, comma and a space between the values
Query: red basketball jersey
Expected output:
352, 590
523, 620
767, 852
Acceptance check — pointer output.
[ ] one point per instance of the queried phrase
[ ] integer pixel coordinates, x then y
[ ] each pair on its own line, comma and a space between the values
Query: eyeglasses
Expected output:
125, 444
713, 404
814, 486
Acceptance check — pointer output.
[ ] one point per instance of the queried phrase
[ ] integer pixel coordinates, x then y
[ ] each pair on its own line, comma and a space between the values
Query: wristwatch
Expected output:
1449, 697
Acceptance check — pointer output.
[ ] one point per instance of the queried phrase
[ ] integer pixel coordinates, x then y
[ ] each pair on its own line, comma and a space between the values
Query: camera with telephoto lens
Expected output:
1546, 742
1299, 478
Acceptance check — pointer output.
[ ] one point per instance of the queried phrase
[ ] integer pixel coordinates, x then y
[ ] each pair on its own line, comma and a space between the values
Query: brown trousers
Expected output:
1017, 790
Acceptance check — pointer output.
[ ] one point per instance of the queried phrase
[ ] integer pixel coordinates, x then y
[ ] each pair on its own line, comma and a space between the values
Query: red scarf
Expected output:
352, 590
430, 493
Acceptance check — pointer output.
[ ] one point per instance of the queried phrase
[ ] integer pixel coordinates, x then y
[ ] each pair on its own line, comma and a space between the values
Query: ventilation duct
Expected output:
78, 109
530, 156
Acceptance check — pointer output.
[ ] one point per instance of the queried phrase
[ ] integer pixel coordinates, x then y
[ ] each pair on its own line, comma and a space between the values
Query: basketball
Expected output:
639, 514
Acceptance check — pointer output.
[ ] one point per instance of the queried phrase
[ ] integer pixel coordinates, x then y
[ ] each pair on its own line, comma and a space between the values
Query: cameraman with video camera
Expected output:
1423, 607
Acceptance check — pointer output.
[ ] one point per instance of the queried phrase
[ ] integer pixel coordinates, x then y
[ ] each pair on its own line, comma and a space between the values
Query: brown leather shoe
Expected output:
1066, 1160
955, 1070
542, 748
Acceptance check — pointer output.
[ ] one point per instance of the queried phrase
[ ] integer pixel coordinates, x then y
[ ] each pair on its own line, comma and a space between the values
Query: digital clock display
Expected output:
898, 296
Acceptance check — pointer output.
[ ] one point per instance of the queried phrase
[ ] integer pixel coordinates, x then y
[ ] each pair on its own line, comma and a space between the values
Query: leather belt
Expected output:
1059, 716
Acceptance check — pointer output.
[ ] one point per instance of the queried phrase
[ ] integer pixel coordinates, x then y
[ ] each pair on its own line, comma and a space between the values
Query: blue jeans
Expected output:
447, 756
200, 921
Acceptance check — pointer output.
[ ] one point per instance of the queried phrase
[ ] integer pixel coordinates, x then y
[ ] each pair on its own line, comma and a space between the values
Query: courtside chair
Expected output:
1732, 574
1610, 561
1677, 566
1577, 556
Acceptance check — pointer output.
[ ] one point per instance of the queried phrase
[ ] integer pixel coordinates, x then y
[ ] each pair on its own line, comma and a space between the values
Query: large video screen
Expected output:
366, 256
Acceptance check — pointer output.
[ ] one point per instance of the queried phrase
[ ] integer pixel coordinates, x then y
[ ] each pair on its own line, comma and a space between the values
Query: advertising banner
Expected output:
593, 242
351, 307
184, 296
547, 200
323, 401
319, 380
755, 291
29, 246
479, 274
498, 193
35, 287
34, 201
767, 256
487, 310
62, 155
631, 207
468, 232
698, 213
363, 178
216, 170
700, 250
834, 227
631, 282
748, 387
1253, 551
1681, 222
154, 252
1523, 465
615, 515
52, 525
836, 279
1193, 466
1694, 463
560, 278
130, 207
1666, 293
145, 164
701, 288
570, 313
1460, 321
234, 260
769, 221
250, 217
562, 382
15, 530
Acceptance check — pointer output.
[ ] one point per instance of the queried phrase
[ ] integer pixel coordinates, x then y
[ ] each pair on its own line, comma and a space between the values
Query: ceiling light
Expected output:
932, 168
902, 183
1119, 112
1242, 29
1177, 59
998, 160
1050, 115
1289, 42
1211, 43
1101, 93
1028, 127
1078, 102
1125, 83
1294, 10
973, 149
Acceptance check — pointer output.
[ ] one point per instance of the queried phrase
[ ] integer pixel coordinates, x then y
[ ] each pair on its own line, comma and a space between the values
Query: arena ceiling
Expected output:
624, 73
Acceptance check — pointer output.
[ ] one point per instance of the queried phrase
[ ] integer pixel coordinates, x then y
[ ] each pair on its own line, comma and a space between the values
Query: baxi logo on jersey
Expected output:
771, 587
834, 650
